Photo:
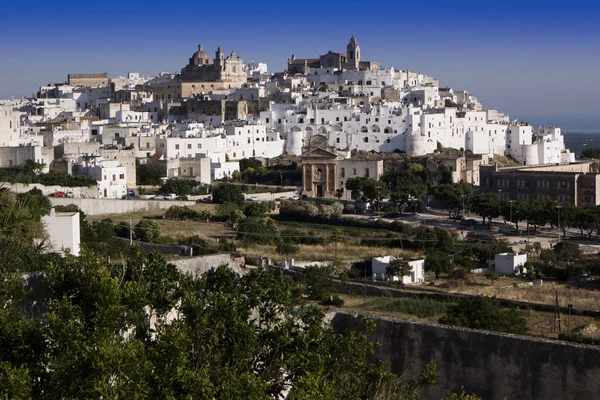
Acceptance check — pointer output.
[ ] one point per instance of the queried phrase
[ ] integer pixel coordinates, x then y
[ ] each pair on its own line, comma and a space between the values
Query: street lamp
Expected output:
510, 203
463, 203
558, 208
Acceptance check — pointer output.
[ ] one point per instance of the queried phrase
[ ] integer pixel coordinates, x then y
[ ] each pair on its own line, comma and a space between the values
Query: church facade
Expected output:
202, 74
350, 60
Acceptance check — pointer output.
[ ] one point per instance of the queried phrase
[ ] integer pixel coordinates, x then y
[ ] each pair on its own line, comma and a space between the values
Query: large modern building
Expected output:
574, 183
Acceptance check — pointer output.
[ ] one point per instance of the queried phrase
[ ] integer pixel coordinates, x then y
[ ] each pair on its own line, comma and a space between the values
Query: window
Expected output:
114, 177
343, 172
121, 176
176, 147
337, 140
189, 146
199, 145
353, 171
366, 172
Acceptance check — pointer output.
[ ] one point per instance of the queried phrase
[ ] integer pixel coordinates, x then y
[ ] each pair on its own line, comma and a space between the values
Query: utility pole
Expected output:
130, 233
559, 207
556, 310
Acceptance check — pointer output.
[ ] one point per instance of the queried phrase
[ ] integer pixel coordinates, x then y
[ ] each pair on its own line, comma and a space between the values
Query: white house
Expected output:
63, 231
510, 263
380, 264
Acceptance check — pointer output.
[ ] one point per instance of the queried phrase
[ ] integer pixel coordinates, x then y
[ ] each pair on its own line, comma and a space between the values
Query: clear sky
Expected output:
536, 61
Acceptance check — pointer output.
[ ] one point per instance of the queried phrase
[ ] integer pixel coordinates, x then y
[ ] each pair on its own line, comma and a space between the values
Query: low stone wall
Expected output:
115, 206
494, 366
203, 264
78, 192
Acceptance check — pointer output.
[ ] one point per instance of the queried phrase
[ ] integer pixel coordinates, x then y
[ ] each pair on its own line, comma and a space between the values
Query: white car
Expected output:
170, 196
253, 198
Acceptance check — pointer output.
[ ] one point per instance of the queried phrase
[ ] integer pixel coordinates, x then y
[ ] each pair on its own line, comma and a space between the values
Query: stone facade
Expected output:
570, 183
88, 80
341, 61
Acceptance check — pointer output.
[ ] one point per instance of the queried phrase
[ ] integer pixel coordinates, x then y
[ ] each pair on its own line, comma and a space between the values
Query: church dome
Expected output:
200, 57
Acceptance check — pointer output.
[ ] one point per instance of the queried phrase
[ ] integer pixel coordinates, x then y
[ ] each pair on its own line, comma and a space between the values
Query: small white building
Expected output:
63, 231
510, 263
380, 264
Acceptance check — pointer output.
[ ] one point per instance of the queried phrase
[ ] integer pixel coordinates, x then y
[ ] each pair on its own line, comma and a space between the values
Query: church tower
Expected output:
353, 53
220, 59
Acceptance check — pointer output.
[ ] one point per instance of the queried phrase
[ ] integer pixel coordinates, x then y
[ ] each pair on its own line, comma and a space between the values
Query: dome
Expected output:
200, 57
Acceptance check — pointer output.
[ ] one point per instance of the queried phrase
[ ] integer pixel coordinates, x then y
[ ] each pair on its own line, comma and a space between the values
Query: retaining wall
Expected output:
115, 206
494, 366
79, 191
203, 264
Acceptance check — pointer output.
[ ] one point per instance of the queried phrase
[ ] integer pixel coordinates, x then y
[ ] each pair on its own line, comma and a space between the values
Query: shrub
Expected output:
147, 231
186, 213
228, 193
422, 308
483, 312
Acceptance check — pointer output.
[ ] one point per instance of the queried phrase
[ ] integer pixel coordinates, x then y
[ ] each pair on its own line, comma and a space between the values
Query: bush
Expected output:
228, 193
483, 312
177, 186
332, 300
147, 231
422, 308
287, 248
184, 213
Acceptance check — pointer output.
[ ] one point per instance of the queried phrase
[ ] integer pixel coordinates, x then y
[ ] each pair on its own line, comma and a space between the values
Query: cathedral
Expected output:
350, 60
203, 75
202, 68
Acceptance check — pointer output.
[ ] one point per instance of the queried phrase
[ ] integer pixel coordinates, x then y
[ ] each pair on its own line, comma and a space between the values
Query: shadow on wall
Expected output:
494, 366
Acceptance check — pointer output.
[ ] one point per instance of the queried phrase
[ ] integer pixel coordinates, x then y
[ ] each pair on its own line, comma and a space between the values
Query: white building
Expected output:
63, 231
110, 175
510, 263
234, 142
380, 264
10, 125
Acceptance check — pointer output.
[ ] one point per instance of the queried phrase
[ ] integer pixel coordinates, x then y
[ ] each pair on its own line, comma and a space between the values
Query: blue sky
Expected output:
538, 62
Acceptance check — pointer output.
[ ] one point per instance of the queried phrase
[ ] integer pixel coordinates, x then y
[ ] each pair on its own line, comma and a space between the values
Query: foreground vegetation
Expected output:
229, 338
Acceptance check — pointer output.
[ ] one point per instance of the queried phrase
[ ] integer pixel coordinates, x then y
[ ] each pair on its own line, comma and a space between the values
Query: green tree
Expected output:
492, 276
228, 193
150, 173
591, 153
177, 186
483, 312
438, 263
398, 268
486, 205
147, 231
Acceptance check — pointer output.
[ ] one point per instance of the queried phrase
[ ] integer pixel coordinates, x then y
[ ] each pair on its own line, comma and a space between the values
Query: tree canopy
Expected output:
112, 331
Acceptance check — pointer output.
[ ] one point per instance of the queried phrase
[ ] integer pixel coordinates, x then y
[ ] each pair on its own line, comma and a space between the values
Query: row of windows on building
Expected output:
539, 184
561, 198
354, 172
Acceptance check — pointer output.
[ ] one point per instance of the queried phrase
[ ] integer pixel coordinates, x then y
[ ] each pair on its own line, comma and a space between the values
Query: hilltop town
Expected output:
266, 199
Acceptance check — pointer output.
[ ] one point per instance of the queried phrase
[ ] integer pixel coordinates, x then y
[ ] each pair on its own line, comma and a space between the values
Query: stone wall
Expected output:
203, 264
492, 365
116, 206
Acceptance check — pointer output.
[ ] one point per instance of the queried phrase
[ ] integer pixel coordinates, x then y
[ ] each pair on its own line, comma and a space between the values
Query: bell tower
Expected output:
353, 53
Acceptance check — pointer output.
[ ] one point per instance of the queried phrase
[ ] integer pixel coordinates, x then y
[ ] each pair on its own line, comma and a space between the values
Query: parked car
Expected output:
253, 198
207, 199
469, 222
170, 196
158, 197
127, 197
181, 197
70, 195
507, 229
58, 194
295, 198
373, 218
